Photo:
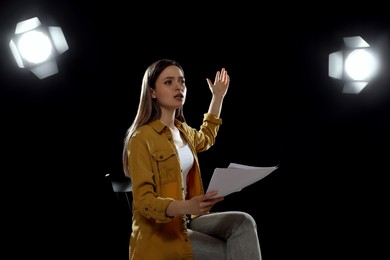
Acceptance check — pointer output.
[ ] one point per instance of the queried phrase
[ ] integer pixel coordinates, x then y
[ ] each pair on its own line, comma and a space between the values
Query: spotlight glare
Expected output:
360, 65
356, 65
36, 47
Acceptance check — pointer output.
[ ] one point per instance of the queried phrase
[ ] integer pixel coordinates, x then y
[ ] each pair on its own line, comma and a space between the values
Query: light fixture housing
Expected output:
36, 47
356, 65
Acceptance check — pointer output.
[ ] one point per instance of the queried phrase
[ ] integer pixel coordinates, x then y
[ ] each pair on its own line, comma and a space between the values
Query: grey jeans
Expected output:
225, 235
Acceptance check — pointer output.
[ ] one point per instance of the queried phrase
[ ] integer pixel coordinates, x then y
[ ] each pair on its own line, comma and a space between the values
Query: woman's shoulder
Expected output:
149, 128
142, 130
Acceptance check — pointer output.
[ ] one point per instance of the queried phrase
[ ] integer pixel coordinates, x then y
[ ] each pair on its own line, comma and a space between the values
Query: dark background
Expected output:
63, 134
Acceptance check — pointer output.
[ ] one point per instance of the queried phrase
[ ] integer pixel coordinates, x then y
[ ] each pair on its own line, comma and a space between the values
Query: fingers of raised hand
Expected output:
222, 77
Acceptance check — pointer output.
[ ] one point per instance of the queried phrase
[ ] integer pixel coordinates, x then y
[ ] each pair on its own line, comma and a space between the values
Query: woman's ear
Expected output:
152, 93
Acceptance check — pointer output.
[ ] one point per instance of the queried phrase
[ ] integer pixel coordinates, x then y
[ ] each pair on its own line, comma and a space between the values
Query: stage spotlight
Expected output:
36, 47
356, 65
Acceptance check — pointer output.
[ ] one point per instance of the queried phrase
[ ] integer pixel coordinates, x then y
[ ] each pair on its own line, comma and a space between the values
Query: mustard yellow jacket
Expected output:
155, 171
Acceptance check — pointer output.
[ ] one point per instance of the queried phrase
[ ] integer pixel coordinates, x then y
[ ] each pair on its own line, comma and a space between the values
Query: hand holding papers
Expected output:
236, 177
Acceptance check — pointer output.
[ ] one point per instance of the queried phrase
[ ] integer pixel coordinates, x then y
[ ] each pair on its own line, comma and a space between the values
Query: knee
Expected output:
244, 220
248, 220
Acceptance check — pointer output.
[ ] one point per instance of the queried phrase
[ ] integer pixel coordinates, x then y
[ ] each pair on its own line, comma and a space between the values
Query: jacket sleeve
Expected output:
206, 136
146, 200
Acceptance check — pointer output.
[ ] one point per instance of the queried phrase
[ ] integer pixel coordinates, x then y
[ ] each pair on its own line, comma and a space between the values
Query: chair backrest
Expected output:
123, 190
123, 185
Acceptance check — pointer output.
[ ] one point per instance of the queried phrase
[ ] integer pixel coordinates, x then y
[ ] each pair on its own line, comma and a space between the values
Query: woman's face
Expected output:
170, 89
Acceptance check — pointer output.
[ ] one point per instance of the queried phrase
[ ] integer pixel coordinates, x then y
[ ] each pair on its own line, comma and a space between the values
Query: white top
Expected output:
185, 155
177, 139
186, 162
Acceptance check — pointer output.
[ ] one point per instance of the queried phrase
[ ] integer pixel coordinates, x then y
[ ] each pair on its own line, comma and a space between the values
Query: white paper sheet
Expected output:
236, 177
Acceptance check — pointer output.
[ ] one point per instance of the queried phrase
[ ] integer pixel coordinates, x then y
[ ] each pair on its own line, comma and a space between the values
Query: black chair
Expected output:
122, 187
121, 214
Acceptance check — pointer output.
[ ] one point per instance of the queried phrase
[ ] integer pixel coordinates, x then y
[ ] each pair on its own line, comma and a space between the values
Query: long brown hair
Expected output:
149, 108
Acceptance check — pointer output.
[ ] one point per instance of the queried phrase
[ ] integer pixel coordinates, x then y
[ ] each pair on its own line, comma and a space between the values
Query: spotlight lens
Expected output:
35, 46
360, 65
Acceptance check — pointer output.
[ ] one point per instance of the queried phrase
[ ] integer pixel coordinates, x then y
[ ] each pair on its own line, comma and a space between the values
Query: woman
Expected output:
171, 212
